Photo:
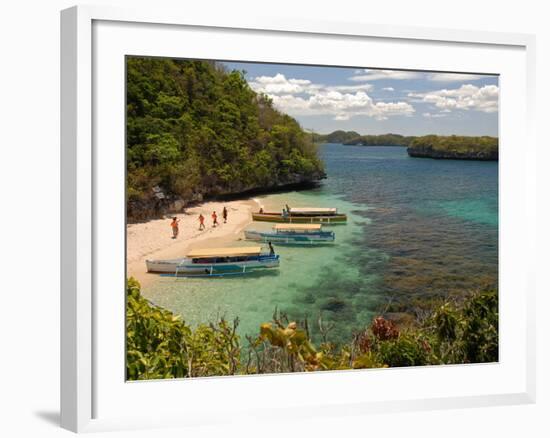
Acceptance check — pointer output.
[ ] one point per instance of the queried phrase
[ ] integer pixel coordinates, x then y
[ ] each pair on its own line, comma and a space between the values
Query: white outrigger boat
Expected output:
293, 234
216, 262
302, 215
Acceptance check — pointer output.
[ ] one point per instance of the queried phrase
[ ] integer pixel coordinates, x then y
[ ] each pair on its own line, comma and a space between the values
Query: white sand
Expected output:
153, 239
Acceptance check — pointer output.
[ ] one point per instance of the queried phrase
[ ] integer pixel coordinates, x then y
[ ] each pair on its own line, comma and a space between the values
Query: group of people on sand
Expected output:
175, 222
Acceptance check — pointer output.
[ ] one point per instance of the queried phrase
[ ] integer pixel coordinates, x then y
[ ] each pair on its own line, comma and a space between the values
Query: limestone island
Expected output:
454, 147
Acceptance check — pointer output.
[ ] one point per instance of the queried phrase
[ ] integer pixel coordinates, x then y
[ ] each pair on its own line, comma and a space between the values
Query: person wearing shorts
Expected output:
175, 227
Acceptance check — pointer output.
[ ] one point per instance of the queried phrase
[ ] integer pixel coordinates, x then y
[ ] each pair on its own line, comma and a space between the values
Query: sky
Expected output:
376, 101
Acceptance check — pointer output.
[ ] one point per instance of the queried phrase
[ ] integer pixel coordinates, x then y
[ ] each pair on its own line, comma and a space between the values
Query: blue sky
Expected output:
375, 101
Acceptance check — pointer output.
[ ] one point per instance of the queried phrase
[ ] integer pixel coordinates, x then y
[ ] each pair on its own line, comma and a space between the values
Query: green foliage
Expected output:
354, 138
436, 146
468, 335
381, 140
284, 347
338, 136
160, 149
446, 321
195, 129
454, 146
155, 340
160, 345
405, 351
480, 333
454, 333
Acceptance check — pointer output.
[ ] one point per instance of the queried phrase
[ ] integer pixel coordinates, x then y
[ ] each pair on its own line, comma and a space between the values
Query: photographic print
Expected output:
297, 218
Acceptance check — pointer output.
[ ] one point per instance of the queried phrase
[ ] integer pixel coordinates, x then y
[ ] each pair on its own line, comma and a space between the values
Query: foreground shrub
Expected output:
405, 351
160, 345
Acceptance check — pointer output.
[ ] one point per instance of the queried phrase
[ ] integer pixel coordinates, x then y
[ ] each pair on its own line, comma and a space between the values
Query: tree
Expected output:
195, 129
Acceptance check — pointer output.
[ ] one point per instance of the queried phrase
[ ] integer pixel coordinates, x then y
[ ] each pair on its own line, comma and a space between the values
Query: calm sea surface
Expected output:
417, 228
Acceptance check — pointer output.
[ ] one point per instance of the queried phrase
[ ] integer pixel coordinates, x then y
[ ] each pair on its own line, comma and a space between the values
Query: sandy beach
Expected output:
153, 239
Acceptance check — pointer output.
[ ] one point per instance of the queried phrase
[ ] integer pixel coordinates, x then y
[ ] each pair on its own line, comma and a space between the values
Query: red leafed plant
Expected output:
363, 342
383, 329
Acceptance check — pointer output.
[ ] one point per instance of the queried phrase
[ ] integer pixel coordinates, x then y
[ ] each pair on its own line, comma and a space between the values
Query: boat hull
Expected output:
300, 219
185, 267
323, 237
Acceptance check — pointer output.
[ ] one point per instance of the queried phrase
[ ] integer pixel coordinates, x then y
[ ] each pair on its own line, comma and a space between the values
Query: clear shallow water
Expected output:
416, 228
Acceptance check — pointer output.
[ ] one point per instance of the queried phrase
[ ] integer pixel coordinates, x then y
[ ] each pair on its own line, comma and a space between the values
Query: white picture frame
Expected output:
85, 404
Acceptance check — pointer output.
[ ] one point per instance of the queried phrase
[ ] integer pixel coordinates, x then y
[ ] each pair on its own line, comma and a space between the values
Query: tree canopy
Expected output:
338, 136
195, 129
454, 146
429, 146
381, 140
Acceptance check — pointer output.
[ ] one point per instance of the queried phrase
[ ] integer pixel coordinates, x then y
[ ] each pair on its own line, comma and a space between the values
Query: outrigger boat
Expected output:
302, 216
293, 234
216, 262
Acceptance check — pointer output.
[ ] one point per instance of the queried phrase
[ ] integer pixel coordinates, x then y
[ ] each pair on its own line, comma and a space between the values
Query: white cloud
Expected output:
355, 87
454, 77
433, 115
388, 89
342, 106
467, 97
302, 97
279, 84
376, 75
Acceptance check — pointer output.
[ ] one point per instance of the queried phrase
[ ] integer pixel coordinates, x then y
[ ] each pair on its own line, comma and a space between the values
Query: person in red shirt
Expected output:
175, 227
214, 219
201, 222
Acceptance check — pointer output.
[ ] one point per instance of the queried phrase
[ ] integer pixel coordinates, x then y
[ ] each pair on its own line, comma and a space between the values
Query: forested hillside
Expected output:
454, 147
195, 130
381, 140
427, 146
336, 137
354, 138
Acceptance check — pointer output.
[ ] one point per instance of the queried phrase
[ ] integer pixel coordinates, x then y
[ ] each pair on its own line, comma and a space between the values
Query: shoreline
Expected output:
153, 239
225, 198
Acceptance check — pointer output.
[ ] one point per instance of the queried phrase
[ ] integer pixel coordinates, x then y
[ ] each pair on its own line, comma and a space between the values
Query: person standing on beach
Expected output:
224, 214
214, 219
201, 222
175, 227
271, 249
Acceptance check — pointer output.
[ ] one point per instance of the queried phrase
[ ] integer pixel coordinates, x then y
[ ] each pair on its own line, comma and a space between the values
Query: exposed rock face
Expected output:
429, 152
178, 205
157, 206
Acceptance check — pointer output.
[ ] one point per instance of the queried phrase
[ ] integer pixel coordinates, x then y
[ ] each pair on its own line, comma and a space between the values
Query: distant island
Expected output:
338, 136
354, 138
381, 140
455, 147
196, 131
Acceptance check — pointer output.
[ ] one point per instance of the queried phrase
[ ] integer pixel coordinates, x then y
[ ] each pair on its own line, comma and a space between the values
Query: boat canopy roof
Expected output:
297, 227
225, 252
303, 210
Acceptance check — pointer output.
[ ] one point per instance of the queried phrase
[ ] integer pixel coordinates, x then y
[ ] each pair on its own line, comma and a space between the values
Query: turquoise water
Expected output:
416, 228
